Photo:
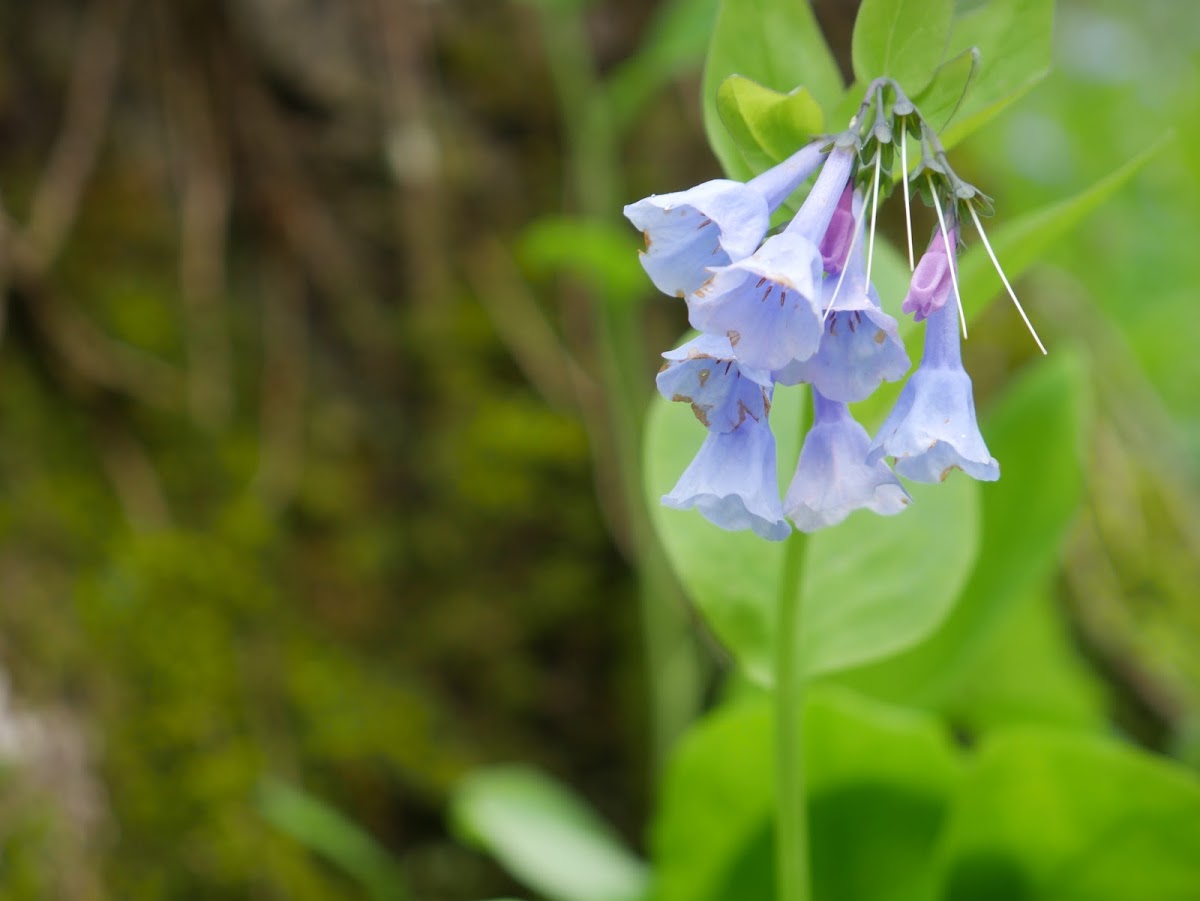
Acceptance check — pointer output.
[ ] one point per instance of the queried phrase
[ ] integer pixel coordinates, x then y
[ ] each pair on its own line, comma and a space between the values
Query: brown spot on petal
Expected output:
680, 399
880, 337
734, 337
703, 376
766, 401
646, 238
946, 472
701, 414
905, 501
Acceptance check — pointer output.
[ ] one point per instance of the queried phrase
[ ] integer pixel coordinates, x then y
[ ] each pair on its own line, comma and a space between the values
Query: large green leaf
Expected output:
880, 584
903, 39
1036, 432
944, 95
879, 782
872, 585
1043, 816
1015, 42
546, 836
1027, 670
776, 43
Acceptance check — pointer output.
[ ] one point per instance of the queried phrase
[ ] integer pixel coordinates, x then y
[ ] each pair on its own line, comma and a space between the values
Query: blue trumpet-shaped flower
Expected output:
732, 482
860, 346
932, 429
704, 373
833, 477
713, 224
769, 304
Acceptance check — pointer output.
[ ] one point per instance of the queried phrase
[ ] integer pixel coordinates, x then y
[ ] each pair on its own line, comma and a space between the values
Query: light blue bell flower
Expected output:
713, 224
861, 346
769, 304
833, 477
932, 430
732, 482
722, 392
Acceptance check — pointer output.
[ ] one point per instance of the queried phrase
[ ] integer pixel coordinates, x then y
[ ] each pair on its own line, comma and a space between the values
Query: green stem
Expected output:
793, 873
791, 841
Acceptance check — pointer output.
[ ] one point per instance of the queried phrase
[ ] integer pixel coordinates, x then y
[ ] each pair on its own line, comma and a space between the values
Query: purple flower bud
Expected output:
833, 477
722, 392
835, 246
714, 223
732, 482
932, 282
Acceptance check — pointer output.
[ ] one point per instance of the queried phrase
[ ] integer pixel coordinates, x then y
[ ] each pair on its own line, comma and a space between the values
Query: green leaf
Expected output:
594, 251
1036, 432
1028, 671
1020, 242
871, 586
316, 825
877, 584
879, 783
546, 836
903, 39
1014, 38
941, 99
1043, 816
776, 43
767, 125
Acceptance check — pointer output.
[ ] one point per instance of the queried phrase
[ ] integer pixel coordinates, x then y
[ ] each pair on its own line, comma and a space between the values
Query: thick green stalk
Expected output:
791, 816
792, 861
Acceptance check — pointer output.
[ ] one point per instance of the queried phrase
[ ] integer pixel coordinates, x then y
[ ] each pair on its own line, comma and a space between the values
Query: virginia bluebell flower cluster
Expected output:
798, 307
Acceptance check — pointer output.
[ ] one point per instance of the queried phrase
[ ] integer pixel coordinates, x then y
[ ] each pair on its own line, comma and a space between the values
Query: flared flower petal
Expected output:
861, 345
732, 482
714, 223
704, 373
932, 430
833, 477
766, 305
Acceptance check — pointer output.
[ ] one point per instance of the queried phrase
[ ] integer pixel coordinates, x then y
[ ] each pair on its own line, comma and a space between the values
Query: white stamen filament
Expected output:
907, 212
988, 246
950, 256
874, 210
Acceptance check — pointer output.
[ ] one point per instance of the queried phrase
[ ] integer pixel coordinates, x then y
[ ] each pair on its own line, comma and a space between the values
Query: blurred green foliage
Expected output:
280, 496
